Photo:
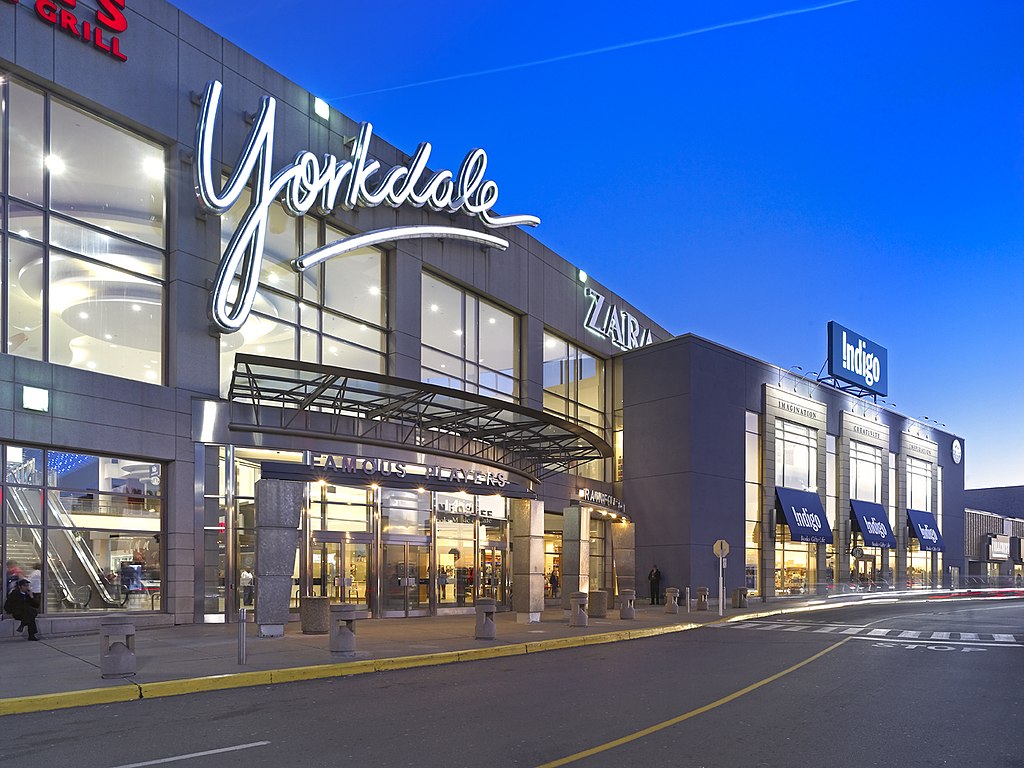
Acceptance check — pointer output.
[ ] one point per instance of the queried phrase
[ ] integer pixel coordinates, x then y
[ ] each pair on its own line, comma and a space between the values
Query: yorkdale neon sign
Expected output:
327, 183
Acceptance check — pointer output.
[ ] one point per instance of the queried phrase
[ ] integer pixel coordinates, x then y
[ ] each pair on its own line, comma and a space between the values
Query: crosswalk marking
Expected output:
891, 634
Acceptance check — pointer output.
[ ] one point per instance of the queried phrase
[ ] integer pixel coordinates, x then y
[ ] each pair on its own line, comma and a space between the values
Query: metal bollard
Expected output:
672, 600
687, 599
342, 629
578, 609
485, 627
241, 635
117, 657
627, 603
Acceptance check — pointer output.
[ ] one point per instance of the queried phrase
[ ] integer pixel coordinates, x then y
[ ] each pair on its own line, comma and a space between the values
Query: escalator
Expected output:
75, 574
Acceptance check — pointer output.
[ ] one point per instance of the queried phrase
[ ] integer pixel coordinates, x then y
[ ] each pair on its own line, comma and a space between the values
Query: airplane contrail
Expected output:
596, 51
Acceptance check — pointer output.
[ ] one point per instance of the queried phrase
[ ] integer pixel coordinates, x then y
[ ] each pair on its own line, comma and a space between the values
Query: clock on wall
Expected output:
957, 451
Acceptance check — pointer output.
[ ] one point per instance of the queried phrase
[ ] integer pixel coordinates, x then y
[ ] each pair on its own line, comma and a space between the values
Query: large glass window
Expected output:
574, 388
919, 487
796, 466
83, 240
333, 313
752, 502
865, 472
85, 528
469, 343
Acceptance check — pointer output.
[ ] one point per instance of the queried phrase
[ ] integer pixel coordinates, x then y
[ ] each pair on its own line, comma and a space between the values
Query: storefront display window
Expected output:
796, 467
87, 527
574, 388
752, 503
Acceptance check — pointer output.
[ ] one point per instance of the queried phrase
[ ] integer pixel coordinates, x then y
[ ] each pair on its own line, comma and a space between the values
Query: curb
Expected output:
132, 691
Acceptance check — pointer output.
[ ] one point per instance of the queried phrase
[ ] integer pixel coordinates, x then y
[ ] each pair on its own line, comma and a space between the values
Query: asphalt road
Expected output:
907, 684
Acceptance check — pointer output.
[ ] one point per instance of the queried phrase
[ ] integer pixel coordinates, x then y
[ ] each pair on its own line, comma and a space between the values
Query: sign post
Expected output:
721, 549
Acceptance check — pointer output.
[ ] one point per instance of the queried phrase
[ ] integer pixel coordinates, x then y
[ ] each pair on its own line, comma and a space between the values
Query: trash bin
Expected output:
342, 629
314, 614
598, 604
672, 600
117, 647
485, 626
578, 609
702, 598
627, 604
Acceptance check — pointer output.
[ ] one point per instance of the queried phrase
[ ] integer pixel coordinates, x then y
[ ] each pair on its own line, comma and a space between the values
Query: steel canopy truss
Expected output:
340, 402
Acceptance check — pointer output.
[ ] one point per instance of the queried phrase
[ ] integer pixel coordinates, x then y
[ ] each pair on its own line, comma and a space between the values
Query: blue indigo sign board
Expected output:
922, 525
805, 515
856, 360
873, 524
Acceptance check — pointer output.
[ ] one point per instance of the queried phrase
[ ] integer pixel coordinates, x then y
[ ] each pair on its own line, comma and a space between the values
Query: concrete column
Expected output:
527, 559
278, 512
624, 554
575, 552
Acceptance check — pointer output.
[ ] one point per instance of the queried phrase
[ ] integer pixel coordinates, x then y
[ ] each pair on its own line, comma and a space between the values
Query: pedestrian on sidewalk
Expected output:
553, 580
245, 581
21, 605
654, 577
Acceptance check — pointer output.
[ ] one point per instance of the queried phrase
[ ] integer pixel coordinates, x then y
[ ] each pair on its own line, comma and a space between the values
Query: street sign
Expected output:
720, 548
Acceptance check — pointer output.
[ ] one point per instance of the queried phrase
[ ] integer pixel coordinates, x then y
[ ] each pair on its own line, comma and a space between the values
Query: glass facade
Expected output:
796, 466
920, 479
84, 529
468, 343
83, 238
574, 388
334, 313
872, 571
752, 503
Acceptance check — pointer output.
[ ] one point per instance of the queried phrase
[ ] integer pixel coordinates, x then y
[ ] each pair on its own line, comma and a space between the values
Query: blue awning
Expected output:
805, 515
922, 525
873, 524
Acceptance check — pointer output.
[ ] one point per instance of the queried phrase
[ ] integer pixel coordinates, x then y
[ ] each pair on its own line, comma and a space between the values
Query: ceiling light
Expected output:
136, 307
492, 321
84, 315
434, 307
107, 336
457, 331
374, 290
54, 164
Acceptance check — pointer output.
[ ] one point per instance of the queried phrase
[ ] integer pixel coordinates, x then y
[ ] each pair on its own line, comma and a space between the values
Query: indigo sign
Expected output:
857, 360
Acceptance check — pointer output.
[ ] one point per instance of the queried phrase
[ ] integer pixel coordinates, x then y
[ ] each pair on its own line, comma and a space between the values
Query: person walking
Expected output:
654, 577
245, 581
553, 581
21, 604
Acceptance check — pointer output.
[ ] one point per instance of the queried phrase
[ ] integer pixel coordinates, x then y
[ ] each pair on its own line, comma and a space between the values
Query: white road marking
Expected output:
852, 631
878, 632
195, 754
940, 635
1004, 638
909, 633
827, 629
796, 628
968, 636
893, 643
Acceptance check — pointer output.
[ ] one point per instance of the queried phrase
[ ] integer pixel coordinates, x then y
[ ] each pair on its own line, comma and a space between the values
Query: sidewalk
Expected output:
64, 671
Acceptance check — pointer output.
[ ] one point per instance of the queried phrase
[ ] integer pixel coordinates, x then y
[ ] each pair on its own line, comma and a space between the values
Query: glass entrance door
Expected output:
492, 572
340, 569
405, 580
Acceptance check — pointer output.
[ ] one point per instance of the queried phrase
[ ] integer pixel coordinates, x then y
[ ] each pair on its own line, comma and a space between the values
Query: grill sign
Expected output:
101, 31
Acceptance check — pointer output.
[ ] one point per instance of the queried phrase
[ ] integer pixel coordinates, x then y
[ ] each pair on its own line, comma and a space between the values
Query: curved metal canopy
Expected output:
364, 405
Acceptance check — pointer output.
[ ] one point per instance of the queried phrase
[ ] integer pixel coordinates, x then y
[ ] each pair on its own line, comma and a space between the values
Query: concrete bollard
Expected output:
672, 600
485, 627
117, 656
739, 597
597, 604
343, 629
627, 603
702, 598
743, 597
578, 609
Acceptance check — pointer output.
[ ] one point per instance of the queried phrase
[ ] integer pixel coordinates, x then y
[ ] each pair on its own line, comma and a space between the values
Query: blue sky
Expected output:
862, 163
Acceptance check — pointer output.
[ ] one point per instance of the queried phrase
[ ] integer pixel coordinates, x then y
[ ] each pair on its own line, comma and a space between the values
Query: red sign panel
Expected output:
99, 28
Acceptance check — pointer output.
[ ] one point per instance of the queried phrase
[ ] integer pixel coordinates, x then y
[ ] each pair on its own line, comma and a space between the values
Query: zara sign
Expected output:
620, 328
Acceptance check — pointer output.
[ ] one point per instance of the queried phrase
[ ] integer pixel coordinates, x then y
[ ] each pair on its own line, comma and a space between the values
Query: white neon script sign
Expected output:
328, 183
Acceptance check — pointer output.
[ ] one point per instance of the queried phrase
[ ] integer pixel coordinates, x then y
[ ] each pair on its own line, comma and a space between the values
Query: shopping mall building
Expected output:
254, 353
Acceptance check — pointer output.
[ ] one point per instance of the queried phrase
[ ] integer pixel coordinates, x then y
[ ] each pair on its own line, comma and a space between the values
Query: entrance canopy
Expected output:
873, 523
291, 396
805, 515
922, 525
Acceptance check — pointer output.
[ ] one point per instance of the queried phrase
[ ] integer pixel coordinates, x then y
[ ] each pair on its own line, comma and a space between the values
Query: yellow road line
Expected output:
688, 715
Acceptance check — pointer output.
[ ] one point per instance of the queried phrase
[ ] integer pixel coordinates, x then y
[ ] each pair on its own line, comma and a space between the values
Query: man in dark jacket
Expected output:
21, 605
654, 577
